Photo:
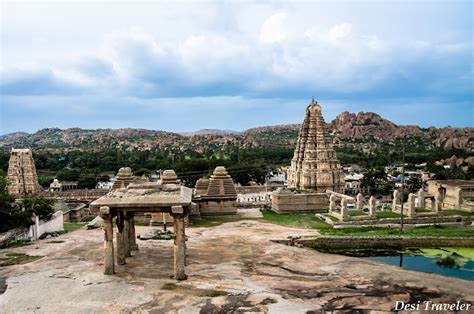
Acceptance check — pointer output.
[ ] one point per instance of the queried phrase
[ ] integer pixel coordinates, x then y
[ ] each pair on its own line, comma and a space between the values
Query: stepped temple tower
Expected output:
216, 196
22, 173
123, 179
315, 165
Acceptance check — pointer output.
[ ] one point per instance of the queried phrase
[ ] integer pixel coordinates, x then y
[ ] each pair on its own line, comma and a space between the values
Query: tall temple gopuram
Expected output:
22, 178
315, 165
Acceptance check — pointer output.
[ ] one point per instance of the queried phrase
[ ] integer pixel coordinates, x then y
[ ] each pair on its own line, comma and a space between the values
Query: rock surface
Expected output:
231, 268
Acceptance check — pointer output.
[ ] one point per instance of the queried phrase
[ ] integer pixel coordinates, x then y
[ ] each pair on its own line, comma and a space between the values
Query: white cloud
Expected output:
273, 29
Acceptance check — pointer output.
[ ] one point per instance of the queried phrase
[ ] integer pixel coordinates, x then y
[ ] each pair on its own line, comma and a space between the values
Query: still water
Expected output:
464, 270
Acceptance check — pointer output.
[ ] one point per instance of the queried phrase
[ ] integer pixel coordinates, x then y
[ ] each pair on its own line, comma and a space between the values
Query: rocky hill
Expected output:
359, 131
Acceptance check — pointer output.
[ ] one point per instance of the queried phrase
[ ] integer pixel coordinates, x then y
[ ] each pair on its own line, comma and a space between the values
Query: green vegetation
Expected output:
454, 212
433, 231
19, 215
52, 234
69, 226
300, 220
17, 259
355, 213
88, 218
15, 244
387, 214
422, 210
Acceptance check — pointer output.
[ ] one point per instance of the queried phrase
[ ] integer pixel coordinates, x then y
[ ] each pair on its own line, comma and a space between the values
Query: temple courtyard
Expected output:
232, 267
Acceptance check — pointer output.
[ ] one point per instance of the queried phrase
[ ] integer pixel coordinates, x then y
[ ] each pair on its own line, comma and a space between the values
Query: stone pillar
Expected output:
120, 238
457, 197
438, 201
360, 202
179, 243
372, 207
106, 215
133, 237
344, 213
396, 199
421, 198
126, 235
411, 205
332, 203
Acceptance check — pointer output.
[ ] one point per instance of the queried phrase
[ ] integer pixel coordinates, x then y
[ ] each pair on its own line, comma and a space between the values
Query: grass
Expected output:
69, 226
141, 223
87, 218
355, 213
17, 259
455, 212
15, 244
432, 231
387, 214
422, 210
299, 220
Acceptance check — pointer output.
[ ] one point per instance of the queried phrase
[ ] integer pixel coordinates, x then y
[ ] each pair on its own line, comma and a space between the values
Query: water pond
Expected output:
452, 262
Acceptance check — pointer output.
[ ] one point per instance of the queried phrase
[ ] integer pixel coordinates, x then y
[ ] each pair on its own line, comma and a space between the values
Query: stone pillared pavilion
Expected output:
315, 165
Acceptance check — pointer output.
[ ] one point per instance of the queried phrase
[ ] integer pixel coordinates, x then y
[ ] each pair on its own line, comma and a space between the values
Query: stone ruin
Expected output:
124, 178
215, 196
22, 178
315, 165
122, 204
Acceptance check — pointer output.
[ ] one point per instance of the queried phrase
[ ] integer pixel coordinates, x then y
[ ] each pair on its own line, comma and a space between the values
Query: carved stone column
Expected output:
411, 205
396, 200
109, 265
421, 198
372, 207
179, 243
120, 238
133, 237
126, 235
360, 202
344, 213
332, 203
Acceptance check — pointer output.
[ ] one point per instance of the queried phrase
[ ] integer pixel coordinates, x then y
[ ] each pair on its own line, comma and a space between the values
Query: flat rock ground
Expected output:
232, 268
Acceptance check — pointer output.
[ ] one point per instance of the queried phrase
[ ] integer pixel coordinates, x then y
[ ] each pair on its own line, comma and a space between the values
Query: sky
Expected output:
183, 66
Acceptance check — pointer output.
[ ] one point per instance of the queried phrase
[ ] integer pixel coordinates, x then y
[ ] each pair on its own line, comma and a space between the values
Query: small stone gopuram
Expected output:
124, 178
315, 165
22, 173
151, 197
216, 196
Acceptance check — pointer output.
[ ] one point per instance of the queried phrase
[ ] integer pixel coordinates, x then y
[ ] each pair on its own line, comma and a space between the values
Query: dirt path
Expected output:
231, 267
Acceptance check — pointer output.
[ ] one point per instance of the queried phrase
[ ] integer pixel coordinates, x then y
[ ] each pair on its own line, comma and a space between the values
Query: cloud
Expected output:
273, 29
269, 51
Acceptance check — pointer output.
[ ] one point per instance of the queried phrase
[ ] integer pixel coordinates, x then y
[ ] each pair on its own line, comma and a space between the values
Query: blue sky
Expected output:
183, 66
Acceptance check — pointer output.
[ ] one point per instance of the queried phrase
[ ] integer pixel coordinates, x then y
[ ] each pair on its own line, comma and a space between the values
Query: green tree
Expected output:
40, 206
10, 216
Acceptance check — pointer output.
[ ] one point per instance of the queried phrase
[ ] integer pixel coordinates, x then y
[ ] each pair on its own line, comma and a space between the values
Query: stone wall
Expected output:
217, 207
334, 242
427, 220
288, 202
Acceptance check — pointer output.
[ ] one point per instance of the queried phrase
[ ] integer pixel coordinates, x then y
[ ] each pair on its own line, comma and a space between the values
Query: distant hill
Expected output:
209, 132
13, 135
363, 131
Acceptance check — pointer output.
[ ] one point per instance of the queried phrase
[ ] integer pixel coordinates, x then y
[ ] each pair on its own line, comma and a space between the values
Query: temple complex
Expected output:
22, 178
217, 195
315, 165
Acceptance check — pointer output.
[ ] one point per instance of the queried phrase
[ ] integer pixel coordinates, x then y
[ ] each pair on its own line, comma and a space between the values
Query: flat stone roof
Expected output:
146, 197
